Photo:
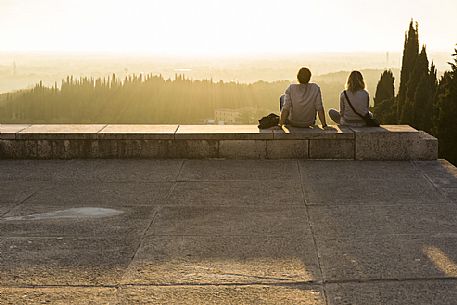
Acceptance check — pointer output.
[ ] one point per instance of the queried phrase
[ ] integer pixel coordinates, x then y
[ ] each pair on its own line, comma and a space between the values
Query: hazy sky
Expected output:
220, 27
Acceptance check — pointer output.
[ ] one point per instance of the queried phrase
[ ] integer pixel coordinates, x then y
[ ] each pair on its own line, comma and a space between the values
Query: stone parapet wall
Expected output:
389, 142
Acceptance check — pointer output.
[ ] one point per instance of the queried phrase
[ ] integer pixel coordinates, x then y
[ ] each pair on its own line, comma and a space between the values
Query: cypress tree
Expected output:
384, 101
446, 123
420, 73
424, 98
410, 53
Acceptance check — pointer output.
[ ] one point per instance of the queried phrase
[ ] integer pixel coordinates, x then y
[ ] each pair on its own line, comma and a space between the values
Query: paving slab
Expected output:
389, 257
34, 170
136, 131
91, 194
38, 220
64, 261
433, 292
222, 132
372, 191
237, 193
451, 194
254, 294
231, 221
359, 221
126, 170
213, 170
13, 193
5, 207
17, 191
221, 259
441, 173
356, 170
60, 131
220, 231
90, 170
58, 295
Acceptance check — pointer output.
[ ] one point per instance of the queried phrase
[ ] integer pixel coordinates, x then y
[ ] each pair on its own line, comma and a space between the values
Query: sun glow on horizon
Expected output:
209, 27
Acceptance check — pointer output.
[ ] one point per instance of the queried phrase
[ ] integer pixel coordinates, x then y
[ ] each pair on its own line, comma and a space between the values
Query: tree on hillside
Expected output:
424, 98
384, 100
420, 72
410, 53
138, 99
446, 123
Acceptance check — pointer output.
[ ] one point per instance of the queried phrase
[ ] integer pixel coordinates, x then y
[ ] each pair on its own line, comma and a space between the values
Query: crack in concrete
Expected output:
421, 172
154, 216
179, 171
103, 128
387, 280
19, 204
156, 212
278, 284
312, 231
233, 180
274, 284
257, 277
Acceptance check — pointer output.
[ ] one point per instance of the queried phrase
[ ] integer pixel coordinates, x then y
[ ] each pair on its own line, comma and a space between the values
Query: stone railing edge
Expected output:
64, 141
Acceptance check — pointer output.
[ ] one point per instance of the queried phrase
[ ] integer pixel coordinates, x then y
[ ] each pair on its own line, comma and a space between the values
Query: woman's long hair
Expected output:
355, 82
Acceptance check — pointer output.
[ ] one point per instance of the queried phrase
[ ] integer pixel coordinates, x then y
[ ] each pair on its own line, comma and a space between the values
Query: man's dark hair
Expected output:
304, 75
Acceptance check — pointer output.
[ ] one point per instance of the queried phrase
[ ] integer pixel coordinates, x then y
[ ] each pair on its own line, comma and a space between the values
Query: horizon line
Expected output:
203, 55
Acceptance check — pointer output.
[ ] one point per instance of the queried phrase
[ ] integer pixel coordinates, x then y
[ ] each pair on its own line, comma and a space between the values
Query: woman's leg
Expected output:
335, 115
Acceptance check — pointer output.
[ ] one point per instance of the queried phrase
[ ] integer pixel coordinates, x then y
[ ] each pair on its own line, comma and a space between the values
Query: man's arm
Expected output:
284, 116
342, 98
320, 108
285, 109
321, 114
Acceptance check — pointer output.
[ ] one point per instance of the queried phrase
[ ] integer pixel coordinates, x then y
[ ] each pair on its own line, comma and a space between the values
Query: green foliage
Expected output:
446, 113
384, 100
155, 100
418, 85
420, 73
410, 53
421, 102
138, 99
424, 97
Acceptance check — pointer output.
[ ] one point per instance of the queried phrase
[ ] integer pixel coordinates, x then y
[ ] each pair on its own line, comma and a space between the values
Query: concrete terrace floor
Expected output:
228, 232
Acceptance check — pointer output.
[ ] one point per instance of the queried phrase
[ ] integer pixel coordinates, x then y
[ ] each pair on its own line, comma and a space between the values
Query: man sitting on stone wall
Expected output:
301, 102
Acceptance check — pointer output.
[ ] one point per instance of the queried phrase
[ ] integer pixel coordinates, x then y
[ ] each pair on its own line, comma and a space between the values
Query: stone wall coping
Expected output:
8, 131
384, 129
134, 131
185, 132
72, 141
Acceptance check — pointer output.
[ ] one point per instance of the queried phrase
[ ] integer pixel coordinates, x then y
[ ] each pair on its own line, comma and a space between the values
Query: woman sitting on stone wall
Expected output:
356, 95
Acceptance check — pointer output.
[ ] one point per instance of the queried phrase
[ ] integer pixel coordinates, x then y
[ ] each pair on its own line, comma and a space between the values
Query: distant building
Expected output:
226, 115
244, 115
209, 122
